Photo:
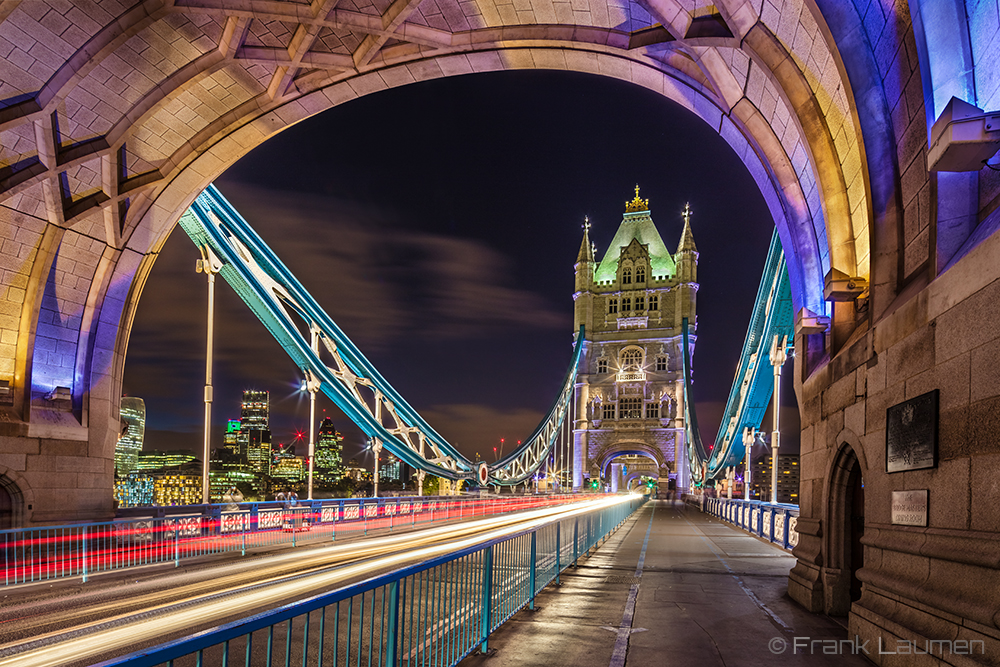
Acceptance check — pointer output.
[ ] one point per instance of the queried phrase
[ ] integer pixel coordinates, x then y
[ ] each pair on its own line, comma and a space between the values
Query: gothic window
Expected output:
640, 274
630, 408
608, 411
640, 303
654, 302
626, 276
661, 363
626, 304
631, 358
653, 410
602, 365
612, 306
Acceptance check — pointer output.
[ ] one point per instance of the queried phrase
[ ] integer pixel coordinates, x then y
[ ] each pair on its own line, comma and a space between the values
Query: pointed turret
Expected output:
687, 272
584, 296
586, 249
687, 238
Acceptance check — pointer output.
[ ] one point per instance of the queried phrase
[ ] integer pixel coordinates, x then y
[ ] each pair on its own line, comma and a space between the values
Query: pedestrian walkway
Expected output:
672, 587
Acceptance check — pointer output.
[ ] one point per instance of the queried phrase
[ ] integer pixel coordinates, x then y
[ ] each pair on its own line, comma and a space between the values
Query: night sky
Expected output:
438, 224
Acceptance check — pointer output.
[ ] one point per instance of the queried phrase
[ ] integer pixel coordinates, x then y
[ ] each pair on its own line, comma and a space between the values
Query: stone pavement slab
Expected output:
703, 594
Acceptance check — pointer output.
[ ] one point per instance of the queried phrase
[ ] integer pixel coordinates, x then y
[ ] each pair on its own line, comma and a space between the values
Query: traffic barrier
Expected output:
175, 534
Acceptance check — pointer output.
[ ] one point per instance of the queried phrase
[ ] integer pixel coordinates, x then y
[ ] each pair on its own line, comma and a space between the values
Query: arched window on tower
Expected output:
654, 302
661, 363
640, 274
612, 306
640, 303
627, 276
626, 304
602, 365
631, 359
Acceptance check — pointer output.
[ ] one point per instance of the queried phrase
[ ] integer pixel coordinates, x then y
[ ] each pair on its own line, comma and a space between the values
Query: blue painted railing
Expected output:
774, 523
151, 535
434, 613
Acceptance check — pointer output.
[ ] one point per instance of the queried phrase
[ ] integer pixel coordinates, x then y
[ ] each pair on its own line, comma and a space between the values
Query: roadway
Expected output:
62, 624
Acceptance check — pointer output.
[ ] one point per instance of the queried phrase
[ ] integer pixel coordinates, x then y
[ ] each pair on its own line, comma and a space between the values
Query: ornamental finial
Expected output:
687, 212
637, 204
586, 223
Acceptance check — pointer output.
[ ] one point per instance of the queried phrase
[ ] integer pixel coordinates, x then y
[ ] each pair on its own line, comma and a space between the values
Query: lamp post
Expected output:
312, 386
209, 264
779, 352
748, 439
376, 447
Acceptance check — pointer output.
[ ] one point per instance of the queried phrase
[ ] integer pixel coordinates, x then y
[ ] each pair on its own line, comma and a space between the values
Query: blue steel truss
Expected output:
753, 385
304, 330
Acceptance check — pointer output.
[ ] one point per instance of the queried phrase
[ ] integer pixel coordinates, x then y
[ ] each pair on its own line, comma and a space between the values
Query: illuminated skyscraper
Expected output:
329, 464
254, 410
255, 436
133, 417
232, 438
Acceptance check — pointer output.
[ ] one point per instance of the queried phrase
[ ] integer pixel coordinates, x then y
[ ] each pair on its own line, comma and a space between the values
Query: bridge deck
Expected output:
707, 594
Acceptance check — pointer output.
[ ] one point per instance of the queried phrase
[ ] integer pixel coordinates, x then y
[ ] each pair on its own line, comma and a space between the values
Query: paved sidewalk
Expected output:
700, 593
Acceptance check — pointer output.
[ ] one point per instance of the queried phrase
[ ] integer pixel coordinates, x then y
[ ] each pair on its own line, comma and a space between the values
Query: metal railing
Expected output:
182, 533
433, 613
775, 523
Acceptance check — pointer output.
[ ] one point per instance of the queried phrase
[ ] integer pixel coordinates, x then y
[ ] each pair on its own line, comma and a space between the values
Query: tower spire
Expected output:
586, 253
687, 238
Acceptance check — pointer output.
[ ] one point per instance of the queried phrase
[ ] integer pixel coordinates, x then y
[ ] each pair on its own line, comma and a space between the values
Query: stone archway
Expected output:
108, 142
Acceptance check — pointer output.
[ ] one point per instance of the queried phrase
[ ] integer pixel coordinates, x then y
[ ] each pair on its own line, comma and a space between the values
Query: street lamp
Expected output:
375, 446
312, 386
209, 264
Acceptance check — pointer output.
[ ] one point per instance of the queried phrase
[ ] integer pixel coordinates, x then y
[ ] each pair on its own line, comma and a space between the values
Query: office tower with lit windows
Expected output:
390, 469
133, 418
329, 464
788, 479
231, 439
255, 434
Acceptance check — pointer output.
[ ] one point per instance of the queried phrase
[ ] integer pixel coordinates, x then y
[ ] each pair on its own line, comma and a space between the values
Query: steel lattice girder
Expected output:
752, 389
285, 308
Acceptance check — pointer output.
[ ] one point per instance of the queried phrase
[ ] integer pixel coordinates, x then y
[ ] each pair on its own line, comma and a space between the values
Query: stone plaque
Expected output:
911, 434
909, 508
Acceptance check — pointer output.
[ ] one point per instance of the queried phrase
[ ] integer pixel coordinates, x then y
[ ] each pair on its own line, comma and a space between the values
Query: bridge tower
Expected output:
630, 384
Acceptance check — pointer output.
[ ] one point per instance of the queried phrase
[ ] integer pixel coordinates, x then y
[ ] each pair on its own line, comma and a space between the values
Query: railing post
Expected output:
576, 539
244, 527
558, 551
84, 543
531, 572
177, 544
392, 640
487, 596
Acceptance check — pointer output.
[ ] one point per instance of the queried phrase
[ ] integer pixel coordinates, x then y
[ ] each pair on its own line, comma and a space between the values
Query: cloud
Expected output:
478, 428
381, 281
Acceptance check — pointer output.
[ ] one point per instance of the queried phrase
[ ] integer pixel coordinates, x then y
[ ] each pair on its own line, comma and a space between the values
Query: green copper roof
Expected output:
638, 225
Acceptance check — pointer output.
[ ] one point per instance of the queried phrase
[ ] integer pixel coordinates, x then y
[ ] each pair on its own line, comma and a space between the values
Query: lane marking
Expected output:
625, 629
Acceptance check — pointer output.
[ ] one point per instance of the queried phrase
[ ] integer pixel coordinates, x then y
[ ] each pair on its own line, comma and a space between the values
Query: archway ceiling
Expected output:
102, 104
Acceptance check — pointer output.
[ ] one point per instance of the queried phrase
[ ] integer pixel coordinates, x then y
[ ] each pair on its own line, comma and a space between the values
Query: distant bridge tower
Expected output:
630, 384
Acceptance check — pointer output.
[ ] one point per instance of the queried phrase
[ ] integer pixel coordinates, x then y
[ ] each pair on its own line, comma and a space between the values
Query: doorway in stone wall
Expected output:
846, 527
10, 504
856, 527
